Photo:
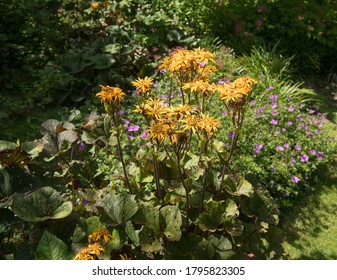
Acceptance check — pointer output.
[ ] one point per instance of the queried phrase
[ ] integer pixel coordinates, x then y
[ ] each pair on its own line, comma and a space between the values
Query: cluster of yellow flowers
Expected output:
111, 95
192, 71
94, 248
170, 122
189, 63
238, 90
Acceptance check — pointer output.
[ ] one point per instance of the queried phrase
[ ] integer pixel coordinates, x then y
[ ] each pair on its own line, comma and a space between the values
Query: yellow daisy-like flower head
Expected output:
100, 234
110, 94
158, 131
209, 124
84, 255
191, 122
95, 249
199, 86
155, 108
143, 85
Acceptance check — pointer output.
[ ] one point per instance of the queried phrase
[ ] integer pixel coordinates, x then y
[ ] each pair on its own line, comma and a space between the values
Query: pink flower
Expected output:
274, 122
295, 179
304, 158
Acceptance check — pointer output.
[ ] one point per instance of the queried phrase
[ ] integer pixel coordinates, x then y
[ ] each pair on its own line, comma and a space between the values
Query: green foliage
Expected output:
305, 29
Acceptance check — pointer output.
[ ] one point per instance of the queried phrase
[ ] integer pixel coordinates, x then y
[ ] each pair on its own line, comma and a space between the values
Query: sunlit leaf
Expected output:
43, 204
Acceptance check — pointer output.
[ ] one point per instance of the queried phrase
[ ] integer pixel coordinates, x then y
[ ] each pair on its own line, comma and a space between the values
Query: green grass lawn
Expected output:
311, 226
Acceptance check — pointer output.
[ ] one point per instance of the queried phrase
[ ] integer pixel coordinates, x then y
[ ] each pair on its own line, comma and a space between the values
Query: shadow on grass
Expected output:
311, 225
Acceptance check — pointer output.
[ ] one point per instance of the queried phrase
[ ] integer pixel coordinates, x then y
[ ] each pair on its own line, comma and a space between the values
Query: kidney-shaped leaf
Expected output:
43, 204
120, 207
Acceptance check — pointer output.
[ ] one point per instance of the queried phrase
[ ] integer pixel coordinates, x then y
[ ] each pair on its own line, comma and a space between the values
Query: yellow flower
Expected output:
101, 233
158, 131
199, 86
95, 249
181, 110
143, 85
186, 61
191, 122
110, 94
209, 124
94, 5
124, 257
84, 255
237, 90
155, 108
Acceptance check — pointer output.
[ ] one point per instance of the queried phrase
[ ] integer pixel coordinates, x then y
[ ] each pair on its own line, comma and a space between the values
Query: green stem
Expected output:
186, 191
120, 152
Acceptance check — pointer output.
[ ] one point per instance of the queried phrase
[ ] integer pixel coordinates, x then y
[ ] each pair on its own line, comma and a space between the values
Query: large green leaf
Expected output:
51, 248
120, 207
222, 246
148, 215
170, 220
43, 204
211, 218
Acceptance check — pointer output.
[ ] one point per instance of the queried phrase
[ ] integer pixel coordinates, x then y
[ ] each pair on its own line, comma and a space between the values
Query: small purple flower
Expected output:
291, 109
298, 148
320, 155
258, 148
304, 158
311, 112
277, 132
289, 123
221, 82
81, 147
120, 113
273, 105
310, 134
126, 122
230, 134
280, 148
253, 102
163, 96
262, 109
269, 89
144, 134
274, 122
295, 179
283, 129
134, 128
225, 114
131, 137
313, 152
274, 113
286, 145
85, 202
273, 97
